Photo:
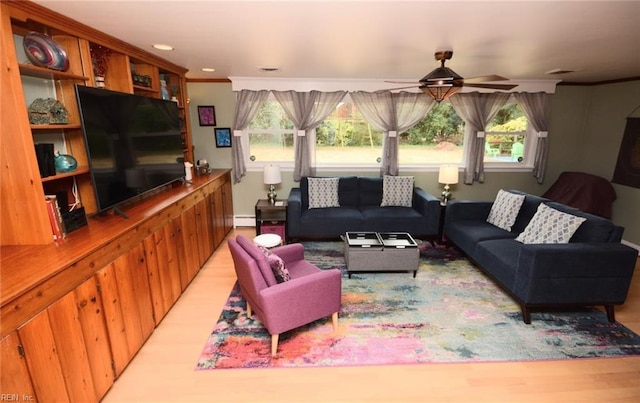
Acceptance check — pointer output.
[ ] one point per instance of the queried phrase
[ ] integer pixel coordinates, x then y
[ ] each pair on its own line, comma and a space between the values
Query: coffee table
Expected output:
380, 252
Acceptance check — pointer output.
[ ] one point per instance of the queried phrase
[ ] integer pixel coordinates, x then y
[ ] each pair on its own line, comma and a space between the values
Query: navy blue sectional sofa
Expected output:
594, 268
360, 210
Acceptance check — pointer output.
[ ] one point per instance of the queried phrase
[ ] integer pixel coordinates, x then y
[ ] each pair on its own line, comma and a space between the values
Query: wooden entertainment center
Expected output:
75, 312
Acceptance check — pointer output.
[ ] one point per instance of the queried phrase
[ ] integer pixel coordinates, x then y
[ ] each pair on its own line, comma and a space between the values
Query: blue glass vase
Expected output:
65, 163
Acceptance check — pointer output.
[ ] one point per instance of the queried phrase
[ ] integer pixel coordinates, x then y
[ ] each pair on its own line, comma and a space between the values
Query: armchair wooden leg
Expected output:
334, 319
248, 310
274, 344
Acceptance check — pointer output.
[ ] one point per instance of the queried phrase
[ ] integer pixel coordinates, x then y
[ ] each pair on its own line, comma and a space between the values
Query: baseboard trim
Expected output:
244, 221
633, 245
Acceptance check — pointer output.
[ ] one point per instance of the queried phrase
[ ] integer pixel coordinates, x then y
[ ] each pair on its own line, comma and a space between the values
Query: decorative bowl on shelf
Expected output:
65, 163
44, 51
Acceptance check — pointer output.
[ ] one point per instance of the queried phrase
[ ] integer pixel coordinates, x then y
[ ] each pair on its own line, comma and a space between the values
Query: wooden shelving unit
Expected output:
24, 217
75, 312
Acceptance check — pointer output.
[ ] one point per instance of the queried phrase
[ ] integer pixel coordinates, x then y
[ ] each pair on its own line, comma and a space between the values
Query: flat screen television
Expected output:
134, 143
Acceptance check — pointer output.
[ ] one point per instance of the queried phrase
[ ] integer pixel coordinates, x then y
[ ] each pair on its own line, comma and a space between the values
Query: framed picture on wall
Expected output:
207, 115
223, 137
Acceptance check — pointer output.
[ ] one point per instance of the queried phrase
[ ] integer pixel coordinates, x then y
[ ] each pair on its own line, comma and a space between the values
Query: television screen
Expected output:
133, 142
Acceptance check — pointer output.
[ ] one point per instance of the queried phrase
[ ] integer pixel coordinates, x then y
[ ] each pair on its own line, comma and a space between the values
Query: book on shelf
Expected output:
55, 218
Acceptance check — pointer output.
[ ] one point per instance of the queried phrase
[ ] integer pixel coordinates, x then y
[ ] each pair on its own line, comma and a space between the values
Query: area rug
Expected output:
449, 313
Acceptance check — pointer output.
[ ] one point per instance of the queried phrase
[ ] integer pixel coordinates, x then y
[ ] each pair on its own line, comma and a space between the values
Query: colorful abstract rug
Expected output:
449, 313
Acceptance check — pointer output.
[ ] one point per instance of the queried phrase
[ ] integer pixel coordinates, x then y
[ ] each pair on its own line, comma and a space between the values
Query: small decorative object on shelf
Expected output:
44, 51
163, 89
174, 94
99, 60
48, 111
142, 80
65, 163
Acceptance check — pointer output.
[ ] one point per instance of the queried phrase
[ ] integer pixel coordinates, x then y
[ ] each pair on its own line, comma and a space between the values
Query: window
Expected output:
505, 137
345, 138
270, 135
436, 139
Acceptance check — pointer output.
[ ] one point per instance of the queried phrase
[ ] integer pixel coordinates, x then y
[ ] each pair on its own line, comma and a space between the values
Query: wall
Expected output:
604, 127
579, 114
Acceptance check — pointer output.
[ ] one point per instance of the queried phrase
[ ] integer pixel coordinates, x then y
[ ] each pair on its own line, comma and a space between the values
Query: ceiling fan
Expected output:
443, 82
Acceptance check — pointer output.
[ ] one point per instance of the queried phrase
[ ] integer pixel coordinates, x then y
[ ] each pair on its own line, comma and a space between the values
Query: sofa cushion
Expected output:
323, 192
348, 191
549, 225
393, 219
594, 229
332, 220
467, 233
527, 210
505, 209
277, 265
499, 258
397, 191
369, 191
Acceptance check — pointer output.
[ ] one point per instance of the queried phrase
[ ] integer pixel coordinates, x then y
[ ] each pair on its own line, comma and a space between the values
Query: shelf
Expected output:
56, 127
146, 89
42, 72
79, 171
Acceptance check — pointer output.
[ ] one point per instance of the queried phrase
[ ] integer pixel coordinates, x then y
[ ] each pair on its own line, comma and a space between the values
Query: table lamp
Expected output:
448, 175
272, 177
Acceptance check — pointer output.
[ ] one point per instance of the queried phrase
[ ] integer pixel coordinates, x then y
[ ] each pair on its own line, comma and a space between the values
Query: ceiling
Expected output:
357, 39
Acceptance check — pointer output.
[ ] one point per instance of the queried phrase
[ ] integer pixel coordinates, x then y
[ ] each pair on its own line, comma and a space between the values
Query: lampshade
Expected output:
272, 175
448, 174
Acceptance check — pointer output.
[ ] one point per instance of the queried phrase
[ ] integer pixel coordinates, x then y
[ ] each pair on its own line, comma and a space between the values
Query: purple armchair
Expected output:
309, 295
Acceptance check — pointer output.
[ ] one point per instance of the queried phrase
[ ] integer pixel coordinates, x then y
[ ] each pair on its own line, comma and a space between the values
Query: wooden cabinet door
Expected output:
56, 353
42, 358
14, 375
190, 243
177, 240
203, 229
164, 273
127, 304
96, 337
227, 207
72, 351
217, 216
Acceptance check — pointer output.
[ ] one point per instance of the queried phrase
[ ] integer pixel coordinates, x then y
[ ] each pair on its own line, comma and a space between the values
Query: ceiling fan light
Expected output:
440, 92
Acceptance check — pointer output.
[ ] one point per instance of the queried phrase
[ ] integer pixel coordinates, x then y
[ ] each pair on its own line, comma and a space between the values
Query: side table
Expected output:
271, 218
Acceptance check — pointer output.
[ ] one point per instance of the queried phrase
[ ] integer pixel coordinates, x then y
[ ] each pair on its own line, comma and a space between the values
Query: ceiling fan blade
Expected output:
398, 88
402, 82
492, 86
482, 79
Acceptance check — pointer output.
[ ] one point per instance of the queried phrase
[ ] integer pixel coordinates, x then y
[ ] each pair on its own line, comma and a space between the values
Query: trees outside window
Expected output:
346, 139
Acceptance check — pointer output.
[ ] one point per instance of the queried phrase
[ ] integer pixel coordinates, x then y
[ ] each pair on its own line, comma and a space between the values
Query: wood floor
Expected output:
163, 371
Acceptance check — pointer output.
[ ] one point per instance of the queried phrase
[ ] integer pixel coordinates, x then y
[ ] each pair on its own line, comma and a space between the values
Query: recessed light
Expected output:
208, 69
559, 71
161, 46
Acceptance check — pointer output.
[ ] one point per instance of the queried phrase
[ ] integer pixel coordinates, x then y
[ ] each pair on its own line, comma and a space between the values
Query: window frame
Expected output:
530, 147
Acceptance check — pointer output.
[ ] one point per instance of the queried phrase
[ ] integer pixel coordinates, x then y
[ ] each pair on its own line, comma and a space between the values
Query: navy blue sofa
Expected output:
594, 268
360, 210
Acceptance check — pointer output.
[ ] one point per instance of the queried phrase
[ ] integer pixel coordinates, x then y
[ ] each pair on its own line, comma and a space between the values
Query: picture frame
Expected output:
223, 137
207, 115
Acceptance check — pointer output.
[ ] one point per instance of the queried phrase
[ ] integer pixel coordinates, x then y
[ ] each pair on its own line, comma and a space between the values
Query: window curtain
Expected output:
247, 105
537, 110
477, 110
392, 113
306, 110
